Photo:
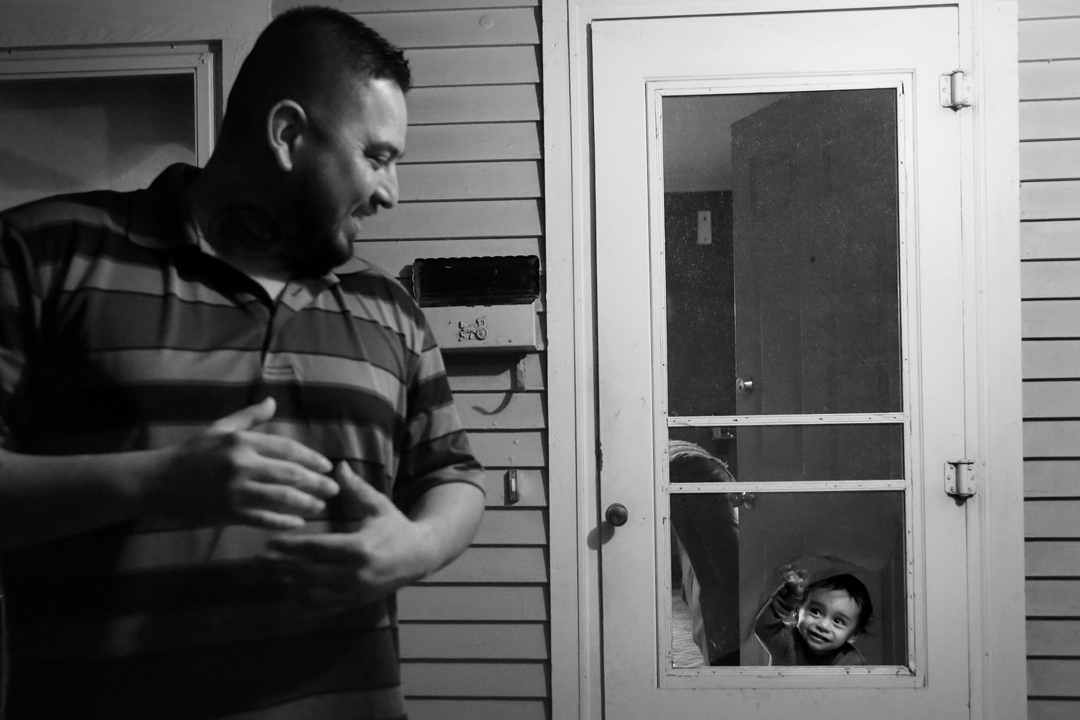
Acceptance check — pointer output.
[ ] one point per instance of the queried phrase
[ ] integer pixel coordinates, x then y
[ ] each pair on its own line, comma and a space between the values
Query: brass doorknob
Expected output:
617, 514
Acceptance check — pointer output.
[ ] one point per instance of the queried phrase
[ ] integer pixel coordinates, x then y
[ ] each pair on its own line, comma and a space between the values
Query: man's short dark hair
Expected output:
299, 54
853, 587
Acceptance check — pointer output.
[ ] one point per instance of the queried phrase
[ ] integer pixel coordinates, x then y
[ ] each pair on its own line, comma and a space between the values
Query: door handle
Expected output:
744, 385
617, 514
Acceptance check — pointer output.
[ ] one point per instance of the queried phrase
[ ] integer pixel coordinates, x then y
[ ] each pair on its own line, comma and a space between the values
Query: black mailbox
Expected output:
504, 280
480, 303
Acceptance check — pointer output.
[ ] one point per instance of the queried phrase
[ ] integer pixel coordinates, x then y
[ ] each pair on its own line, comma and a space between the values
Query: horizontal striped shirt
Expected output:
119, 332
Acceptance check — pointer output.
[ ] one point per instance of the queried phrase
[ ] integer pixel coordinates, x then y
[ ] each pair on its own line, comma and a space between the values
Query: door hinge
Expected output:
956, 89
960, 478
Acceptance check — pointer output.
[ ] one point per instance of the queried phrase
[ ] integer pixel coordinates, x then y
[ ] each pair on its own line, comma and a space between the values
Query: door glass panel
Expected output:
782, 277
727, 561
781, 253
790, 453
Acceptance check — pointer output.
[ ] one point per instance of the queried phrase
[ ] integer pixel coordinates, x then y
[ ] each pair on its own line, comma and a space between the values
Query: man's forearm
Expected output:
449, 515
228, 473
46, 498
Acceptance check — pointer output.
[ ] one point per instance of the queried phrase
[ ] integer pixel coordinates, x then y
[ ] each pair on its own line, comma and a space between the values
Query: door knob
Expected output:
745, 384
617, 514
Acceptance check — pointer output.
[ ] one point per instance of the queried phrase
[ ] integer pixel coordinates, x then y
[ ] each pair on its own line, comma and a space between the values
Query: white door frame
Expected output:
991, 275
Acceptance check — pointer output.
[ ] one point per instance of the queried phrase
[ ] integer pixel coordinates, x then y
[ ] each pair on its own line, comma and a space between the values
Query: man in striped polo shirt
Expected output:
225, 438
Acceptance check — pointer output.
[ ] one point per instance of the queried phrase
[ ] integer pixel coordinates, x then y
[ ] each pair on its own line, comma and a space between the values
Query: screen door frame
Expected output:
988, 33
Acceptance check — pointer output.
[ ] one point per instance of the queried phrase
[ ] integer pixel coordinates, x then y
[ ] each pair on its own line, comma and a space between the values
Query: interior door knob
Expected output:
745, 385
617, 514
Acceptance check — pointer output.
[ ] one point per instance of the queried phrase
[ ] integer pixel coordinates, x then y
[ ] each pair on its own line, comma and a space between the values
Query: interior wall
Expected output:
700, 305
1050, 280
66, 135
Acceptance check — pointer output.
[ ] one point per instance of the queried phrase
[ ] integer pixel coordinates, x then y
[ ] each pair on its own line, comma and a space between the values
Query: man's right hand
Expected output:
231, 473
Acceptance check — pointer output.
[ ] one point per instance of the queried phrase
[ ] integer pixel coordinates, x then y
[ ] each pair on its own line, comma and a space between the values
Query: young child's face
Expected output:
827, 619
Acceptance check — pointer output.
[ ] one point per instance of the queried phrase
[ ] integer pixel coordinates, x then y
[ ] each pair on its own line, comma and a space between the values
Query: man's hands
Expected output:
385, 552
232, 473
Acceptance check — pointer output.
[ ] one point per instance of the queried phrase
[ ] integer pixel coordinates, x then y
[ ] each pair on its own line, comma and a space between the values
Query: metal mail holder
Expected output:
480, 303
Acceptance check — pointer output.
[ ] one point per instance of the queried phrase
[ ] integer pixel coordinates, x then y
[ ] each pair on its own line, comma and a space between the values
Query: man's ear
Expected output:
285, 124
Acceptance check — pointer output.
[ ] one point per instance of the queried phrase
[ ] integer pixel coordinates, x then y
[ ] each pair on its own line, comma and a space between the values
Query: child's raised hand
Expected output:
794, 580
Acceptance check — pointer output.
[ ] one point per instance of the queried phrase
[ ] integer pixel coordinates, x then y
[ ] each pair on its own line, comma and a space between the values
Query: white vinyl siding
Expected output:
1049, 75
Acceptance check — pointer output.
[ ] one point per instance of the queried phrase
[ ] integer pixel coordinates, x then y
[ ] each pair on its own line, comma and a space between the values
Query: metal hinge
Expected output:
960, 478
956, 90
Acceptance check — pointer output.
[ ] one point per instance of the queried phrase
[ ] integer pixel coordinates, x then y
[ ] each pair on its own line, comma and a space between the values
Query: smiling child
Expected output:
815, 624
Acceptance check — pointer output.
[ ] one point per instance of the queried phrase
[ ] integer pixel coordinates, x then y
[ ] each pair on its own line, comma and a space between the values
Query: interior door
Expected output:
780, 346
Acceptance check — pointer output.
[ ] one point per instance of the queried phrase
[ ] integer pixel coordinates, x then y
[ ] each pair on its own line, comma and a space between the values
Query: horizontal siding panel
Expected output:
1050, 39
478, 103
1055, 709
1051, 359
1055, 519
470, 181
475, 66
1052, 598
498, 565
1047, 8
476, 709
481, 603
466, 218
1050, 279
1050, 240
370, 6
501, 411
1048, 79
480, 141
532, 491
510, 449
1053, 677
475, 641
1053, 637
1051, 478
520, 680
1050, 200
1052, 399
512, 526
1050, 318
1052, 559
496, 372
458, 28
1050, 160
1052, 438
1050, 120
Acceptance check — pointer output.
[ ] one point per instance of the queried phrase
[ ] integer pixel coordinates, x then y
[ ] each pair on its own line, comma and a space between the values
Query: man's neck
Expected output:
236, 230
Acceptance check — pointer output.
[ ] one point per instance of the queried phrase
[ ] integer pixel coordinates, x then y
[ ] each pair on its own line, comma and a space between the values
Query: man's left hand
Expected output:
386, 551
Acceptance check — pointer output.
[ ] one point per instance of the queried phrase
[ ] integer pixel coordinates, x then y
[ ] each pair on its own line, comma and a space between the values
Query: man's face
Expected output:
827, 619
345, 174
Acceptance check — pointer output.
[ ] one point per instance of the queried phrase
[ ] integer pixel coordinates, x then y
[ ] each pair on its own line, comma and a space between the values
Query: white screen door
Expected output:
780, 340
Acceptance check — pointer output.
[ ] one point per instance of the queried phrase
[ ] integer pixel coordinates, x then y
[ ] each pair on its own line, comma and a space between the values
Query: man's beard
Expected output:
315, 255
311, 247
